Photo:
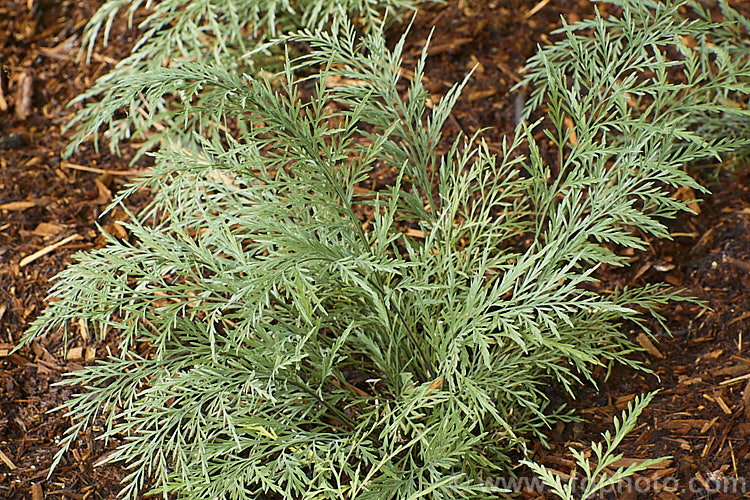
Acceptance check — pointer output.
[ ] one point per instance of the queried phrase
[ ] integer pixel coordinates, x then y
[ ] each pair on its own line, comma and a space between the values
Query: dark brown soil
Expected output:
701, 417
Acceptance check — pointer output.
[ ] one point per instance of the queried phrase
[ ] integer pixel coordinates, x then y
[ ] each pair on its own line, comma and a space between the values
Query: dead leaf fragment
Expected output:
686, 194
571, 130
435, 385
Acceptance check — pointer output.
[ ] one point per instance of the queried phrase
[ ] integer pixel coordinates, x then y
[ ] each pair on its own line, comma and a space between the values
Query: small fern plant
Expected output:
595, 480
287, 327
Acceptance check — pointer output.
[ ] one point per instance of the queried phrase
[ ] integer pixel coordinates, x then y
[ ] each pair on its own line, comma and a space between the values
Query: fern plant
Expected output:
286, 329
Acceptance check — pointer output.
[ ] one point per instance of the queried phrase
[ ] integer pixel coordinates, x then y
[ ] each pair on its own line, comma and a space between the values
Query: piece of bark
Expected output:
24, 92
3, 102
36, 492
645, 342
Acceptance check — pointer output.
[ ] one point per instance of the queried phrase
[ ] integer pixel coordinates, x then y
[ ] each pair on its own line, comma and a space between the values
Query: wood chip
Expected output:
7, 461
683, 235
47, 230
3, 102
719, 401
63, 51
641, 270
74, 354
36, 492
687, 422
708, 425
336, 81
735, 379
479, 95
536, 8
5, 349
704, 242
739, 318
42, 353
723, 405
732, 371
667, 495
84, 168
83, 329
354, 388
660, 473
703, 481
24, 92
627, 462
453, 45
712, 355
51, 248
508, 72
16, 206
745, 266
709, 445
622, 402
42, 366
104, 194
645, 342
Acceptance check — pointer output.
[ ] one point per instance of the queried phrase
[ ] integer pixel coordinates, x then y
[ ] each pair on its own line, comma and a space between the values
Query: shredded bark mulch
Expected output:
49, 208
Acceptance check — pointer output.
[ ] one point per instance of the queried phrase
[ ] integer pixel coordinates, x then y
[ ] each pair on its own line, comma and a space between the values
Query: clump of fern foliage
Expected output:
609, 59
284, 329
175, 32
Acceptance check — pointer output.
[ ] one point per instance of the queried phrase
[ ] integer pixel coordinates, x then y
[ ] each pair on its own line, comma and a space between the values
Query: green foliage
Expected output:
176, 32
612, 68
281, 331
596, 480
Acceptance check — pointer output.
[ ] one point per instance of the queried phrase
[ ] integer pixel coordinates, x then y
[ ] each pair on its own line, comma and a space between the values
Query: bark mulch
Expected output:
49, 207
